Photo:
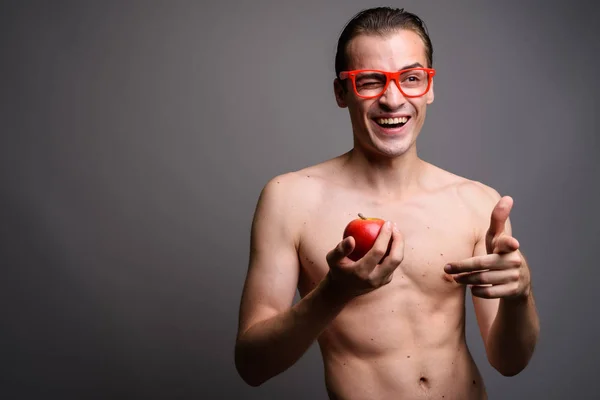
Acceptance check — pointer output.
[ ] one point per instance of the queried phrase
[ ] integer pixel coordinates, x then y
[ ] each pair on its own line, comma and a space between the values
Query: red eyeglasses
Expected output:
370, 83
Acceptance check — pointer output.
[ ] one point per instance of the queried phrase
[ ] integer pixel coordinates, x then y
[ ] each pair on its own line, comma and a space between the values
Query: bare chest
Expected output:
435, 230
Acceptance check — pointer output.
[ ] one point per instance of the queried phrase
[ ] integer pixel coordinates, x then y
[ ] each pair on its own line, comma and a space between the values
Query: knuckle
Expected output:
378, 279
495, 241
515, 261
486, 262
362, 275
373, 282
384, 234
482, 278
395, 258
514, 290
377, 252
386, 279
515, 275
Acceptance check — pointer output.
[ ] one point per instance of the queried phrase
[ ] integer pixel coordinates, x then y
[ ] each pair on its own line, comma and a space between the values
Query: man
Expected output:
388, 326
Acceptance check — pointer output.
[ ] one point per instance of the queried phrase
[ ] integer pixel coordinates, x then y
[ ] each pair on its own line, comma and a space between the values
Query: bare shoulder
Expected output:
288, 197
478, 197
280, 200
296, 189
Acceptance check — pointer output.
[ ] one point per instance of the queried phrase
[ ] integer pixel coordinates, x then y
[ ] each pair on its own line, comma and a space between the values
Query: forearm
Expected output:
270, 347
513, 335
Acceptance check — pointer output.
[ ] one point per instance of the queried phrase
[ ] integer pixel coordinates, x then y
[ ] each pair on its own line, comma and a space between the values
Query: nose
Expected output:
392, 98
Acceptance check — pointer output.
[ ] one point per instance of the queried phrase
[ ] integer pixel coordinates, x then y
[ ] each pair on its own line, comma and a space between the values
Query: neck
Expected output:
385, 176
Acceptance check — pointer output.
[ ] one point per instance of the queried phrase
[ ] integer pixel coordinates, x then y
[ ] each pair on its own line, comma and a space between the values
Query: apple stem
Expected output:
361, 216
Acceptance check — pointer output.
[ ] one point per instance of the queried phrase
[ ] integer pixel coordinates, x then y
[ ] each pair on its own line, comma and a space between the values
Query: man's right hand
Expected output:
375, 269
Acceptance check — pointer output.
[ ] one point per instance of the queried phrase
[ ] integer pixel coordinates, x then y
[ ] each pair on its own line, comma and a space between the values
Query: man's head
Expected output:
389, 40
380, 21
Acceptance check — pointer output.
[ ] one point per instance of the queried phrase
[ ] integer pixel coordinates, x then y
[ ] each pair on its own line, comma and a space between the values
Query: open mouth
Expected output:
391, 123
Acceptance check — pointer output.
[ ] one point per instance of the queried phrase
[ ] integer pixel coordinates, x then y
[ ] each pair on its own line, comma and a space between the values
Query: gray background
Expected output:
136, 137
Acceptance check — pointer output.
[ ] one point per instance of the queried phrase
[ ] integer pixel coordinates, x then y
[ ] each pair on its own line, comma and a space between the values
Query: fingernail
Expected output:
448, 268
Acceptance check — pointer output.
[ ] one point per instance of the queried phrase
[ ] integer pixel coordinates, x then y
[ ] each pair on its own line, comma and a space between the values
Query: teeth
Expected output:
390, 121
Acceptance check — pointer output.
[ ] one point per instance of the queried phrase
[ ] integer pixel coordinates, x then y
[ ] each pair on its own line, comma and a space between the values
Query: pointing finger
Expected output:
496, 277
489, 261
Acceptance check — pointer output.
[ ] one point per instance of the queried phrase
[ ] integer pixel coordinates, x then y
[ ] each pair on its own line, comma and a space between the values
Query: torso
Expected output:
406, 339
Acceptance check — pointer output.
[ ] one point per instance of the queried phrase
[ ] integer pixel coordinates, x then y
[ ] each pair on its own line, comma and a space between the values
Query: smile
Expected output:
392, 122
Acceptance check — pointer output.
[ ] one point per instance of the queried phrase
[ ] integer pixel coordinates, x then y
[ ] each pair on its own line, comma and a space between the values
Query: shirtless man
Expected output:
391, 328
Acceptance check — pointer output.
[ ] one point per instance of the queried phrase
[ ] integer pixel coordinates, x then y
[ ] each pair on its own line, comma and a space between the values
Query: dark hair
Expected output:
380, 21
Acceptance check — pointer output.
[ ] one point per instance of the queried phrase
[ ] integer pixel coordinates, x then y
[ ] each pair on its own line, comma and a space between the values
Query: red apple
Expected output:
364, 231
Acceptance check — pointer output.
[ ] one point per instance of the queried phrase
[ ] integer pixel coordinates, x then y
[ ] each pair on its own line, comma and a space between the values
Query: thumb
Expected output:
499, 216
498, 222
343, 249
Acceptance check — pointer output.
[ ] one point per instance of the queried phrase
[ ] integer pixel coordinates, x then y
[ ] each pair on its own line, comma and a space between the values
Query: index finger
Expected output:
479, 263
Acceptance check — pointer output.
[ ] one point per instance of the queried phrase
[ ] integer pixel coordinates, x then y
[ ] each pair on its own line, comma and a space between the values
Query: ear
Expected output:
340, 93
430, 94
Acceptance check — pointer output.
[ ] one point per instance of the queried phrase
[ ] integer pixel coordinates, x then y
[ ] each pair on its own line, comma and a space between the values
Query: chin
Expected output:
395, 152
391, 150
389, 143
392, 146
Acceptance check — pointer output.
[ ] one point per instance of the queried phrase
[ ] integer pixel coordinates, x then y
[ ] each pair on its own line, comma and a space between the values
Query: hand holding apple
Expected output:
367, 256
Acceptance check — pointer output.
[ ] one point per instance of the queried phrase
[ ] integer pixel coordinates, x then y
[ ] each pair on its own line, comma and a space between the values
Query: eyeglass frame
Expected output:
390, 76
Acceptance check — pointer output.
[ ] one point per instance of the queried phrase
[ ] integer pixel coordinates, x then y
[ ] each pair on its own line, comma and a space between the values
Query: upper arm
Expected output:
272, 275
484, 198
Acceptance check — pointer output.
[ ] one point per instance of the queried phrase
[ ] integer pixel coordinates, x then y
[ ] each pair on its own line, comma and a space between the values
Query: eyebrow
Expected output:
413, 65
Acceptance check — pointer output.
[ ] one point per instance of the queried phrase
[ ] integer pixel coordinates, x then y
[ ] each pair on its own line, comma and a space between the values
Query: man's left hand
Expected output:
502, 272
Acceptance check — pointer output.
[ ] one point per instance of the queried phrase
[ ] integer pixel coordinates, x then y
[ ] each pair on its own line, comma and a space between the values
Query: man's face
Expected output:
393, 52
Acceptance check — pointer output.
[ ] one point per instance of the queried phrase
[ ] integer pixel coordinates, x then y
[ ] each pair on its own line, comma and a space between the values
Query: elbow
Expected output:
249, 378
509, 368
508, 372
246, 370
251, 381
510, 361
